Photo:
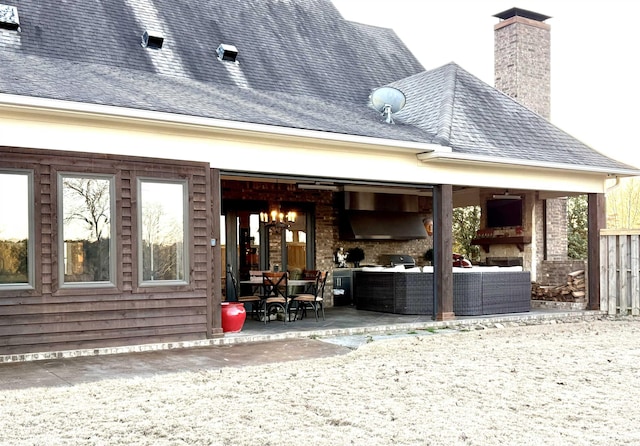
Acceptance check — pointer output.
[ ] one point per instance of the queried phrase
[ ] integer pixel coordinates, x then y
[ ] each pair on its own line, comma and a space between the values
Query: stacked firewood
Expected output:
573, 291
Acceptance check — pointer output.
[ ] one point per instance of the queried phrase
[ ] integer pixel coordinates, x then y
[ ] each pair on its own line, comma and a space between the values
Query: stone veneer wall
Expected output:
529, 227
375, 249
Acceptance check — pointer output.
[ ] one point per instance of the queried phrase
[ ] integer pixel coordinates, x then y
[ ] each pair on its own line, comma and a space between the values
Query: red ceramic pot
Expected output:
233, 316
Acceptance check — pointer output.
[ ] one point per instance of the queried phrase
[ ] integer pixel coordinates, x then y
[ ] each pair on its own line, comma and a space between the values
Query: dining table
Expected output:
255, 283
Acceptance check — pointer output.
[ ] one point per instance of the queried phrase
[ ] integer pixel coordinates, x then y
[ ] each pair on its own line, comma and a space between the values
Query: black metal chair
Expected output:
313, 300
275, 286
254, 299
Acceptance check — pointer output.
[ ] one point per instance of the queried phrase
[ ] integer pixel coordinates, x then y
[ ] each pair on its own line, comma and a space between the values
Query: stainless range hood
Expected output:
379, 216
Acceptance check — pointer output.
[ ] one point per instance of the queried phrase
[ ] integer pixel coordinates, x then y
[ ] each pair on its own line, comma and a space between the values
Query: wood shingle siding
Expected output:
50, 317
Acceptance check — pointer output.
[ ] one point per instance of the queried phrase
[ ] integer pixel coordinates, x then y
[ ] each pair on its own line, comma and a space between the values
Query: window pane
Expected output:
254, 242
163, 231
254, 229
296, 241
14, 228
86, 229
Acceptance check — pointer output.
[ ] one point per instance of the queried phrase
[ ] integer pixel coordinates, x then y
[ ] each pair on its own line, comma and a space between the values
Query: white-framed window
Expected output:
87, 235
163, 232
17, 252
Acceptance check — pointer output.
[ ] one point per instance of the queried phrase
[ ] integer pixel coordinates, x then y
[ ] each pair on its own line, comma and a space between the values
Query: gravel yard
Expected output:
565, 384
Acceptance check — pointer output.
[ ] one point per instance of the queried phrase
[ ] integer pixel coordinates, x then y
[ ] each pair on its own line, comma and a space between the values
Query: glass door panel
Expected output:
248, 247
296, 244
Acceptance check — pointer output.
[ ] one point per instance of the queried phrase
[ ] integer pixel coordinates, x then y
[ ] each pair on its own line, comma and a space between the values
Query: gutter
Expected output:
46, 105
436, 156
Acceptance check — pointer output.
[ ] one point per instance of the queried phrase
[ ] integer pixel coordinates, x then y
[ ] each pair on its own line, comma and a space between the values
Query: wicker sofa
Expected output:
475, 291
393, 292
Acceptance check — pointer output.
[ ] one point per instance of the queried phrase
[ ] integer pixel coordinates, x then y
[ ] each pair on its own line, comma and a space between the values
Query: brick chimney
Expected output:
522, 45
523, 58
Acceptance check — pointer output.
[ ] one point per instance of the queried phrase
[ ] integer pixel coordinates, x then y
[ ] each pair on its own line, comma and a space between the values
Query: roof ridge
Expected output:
445, 116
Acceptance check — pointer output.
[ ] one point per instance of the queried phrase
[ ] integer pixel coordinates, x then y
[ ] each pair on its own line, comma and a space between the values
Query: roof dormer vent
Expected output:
9, 17
152, 39
227, 52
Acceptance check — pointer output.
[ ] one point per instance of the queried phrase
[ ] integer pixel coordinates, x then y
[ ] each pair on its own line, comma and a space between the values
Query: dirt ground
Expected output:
554, 384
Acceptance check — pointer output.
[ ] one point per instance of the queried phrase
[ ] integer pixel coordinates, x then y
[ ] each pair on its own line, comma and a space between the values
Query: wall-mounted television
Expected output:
504, 212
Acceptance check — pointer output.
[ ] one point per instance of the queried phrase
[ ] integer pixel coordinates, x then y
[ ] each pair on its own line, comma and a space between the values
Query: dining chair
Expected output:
256, 275
310, 274
254, 299
275, 286
307, 275
314, 299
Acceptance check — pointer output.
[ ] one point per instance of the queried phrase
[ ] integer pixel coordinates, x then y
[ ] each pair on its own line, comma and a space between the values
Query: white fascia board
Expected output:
484, 159
97, 111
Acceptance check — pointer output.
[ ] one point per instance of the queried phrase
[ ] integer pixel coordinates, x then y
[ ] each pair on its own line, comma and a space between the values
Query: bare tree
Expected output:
623, 205
88, 202
162, 237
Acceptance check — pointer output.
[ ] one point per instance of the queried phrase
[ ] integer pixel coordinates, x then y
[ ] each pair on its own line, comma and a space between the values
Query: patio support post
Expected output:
442, 249
215, 297
596, 221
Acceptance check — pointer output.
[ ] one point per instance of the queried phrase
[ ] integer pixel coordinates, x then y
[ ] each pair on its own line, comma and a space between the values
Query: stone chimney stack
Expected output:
522, 45
523, 58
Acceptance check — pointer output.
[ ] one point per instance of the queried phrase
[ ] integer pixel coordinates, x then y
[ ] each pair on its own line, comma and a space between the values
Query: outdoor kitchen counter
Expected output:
476, 291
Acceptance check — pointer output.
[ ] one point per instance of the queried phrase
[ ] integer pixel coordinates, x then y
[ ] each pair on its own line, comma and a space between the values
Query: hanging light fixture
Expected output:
278, 219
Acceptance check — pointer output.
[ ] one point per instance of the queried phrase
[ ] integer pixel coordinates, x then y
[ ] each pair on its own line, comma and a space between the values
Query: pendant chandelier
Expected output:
278, 219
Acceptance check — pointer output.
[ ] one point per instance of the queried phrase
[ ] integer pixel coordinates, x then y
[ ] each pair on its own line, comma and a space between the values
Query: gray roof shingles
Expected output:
305, 67
474, 118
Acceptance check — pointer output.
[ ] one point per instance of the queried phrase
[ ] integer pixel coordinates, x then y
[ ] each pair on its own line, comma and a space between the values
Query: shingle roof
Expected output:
301, 65
473, 118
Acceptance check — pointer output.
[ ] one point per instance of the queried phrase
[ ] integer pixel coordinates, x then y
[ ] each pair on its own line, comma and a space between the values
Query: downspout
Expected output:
617, 183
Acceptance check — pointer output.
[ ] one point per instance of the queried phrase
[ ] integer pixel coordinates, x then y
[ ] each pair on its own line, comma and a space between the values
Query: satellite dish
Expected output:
388, 100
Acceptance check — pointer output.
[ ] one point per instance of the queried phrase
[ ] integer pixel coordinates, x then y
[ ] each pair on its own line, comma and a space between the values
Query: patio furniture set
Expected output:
476, 291
274, 293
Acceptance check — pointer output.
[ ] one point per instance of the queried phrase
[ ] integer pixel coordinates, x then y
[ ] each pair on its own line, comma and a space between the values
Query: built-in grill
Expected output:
397, 259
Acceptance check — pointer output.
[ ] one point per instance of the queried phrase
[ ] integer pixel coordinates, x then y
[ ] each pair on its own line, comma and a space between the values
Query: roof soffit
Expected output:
65, 112
452, 157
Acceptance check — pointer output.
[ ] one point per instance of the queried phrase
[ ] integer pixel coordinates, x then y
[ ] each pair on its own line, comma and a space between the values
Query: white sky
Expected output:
594, 55
14, 202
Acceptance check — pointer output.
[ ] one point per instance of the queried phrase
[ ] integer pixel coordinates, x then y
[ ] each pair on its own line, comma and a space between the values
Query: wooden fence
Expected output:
620, 271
